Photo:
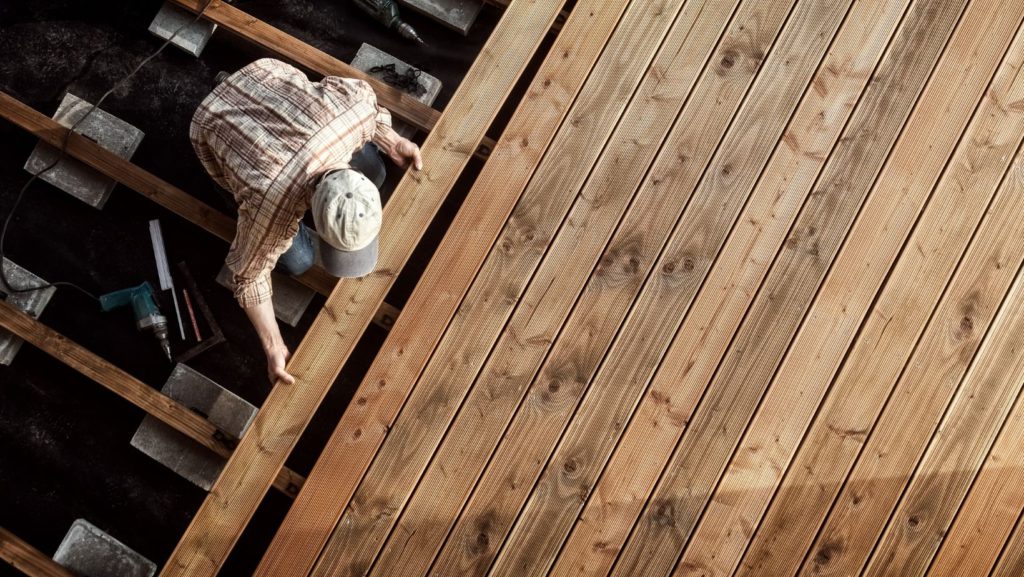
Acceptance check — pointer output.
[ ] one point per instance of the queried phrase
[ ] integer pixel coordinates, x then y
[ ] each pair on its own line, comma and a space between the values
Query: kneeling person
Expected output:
281, 145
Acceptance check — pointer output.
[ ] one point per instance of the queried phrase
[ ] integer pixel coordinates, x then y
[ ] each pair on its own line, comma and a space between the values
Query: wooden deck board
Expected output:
440, 291
736, 295
319, 358
911, 292
27, 558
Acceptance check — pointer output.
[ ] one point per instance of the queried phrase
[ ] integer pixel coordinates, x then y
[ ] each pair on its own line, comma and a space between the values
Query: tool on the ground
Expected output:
147, 313
164, 270
386, 12
204, 309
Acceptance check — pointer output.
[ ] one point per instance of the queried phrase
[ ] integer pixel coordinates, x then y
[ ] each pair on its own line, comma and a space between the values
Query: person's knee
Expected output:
369, 162
296, 263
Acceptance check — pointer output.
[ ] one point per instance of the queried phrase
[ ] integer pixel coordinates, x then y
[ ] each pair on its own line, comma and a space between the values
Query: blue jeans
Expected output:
302, 254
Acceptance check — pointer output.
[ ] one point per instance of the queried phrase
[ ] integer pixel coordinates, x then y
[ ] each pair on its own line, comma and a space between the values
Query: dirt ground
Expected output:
64, 440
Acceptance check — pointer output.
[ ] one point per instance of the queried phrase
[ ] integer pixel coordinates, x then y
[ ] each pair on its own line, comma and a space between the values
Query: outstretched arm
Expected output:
262, 318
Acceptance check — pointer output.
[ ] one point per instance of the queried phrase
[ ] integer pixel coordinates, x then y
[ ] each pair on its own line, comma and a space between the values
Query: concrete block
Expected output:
369, 57
227, 411
32, 303
192, 38
291, 298
90, 552
72, 176
458, 15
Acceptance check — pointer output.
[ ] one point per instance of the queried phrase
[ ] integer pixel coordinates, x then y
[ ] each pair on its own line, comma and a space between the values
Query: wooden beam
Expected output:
291, 48
154, 188
852, 311
496, 191
155, 403
336, 330
28, 559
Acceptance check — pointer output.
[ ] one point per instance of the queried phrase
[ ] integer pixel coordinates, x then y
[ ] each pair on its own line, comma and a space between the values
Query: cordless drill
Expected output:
386, 12
147, 314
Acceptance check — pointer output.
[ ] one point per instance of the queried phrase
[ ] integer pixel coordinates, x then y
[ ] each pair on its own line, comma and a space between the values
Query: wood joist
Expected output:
154, 188
290, 48
143, 396
27, 558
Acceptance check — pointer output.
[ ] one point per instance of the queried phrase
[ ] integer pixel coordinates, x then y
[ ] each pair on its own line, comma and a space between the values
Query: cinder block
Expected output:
192, 38
369, 57
226, 410
291, 298
32, 303
90, 552
69, 174
458, 15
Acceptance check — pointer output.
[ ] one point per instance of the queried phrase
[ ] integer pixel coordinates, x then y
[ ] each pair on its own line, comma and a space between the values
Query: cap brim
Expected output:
348, 264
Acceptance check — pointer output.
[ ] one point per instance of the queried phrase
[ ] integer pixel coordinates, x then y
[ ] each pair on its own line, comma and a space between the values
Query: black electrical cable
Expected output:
63, 153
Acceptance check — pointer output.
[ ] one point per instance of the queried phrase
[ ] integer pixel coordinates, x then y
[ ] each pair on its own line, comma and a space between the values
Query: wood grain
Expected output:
28, 559
988, 515
443, 285
732, 396
319, 358
549, 299
554, 192
912, 290
572, 472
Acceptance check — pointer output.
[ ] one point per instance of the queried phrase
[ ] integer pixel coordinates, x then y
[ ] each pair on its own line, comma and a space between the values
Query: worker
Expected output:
281, 145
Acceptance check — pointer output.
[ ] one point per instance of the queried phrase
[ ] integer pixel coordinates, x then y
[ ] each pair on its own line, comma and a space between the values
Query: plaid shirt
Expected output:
266, 134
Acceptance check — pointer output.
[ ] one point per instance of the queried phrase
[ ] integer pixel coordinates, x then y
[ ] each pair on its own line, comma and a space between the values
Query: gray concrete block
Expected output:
291, 298
192, 38
369, 57
90, 552
458, 15
69, 174
32, 303
227, 411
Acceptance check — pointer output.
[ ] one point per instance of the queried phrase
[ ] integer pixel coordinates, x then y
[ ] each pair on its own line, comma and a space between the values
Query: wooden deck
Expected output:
737, 293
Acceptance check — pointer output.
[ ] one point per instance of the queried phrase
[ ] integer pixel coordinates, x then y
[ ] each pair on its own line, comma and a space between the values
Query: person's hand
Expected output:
277, 359
405, 152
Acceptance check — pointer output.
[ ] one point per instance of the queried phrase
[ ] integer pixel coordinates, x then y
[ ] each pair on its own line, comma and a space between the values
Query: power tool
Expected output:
386, 12
147, 313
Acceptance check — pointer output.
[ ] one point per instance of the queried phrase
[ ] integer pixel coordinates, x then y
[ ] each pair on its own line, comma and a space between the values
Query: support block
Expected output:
226, 410
69, 174
458, 15
291, 298
369, 57
192, 34
32, 303
90, 552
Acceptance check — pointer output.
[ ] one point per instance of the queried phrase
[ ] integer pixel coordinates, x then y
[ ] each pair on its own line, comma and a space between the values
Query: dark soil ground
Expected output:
64, 440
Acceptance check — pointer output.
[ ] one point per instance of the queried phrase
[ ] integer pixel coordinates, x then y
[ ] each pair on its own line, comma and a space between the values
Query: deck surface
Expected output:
740, 295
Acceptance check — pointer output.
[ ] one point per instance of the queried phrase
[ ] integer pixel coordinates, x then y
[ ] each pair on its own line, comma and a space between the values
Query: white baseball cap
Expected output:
347, 213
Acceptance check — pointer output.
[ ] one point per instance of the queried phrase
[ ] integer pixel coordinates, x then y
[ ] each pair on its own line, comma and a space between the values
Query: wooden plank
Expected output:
550, 297
911, 293
155, 403
956, 452
554, 192
849, 413
995, 503
1011, 561
440, 290
402, 104
785, 296
318, 360
554, 504
719, 307
27, 558
159, 191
